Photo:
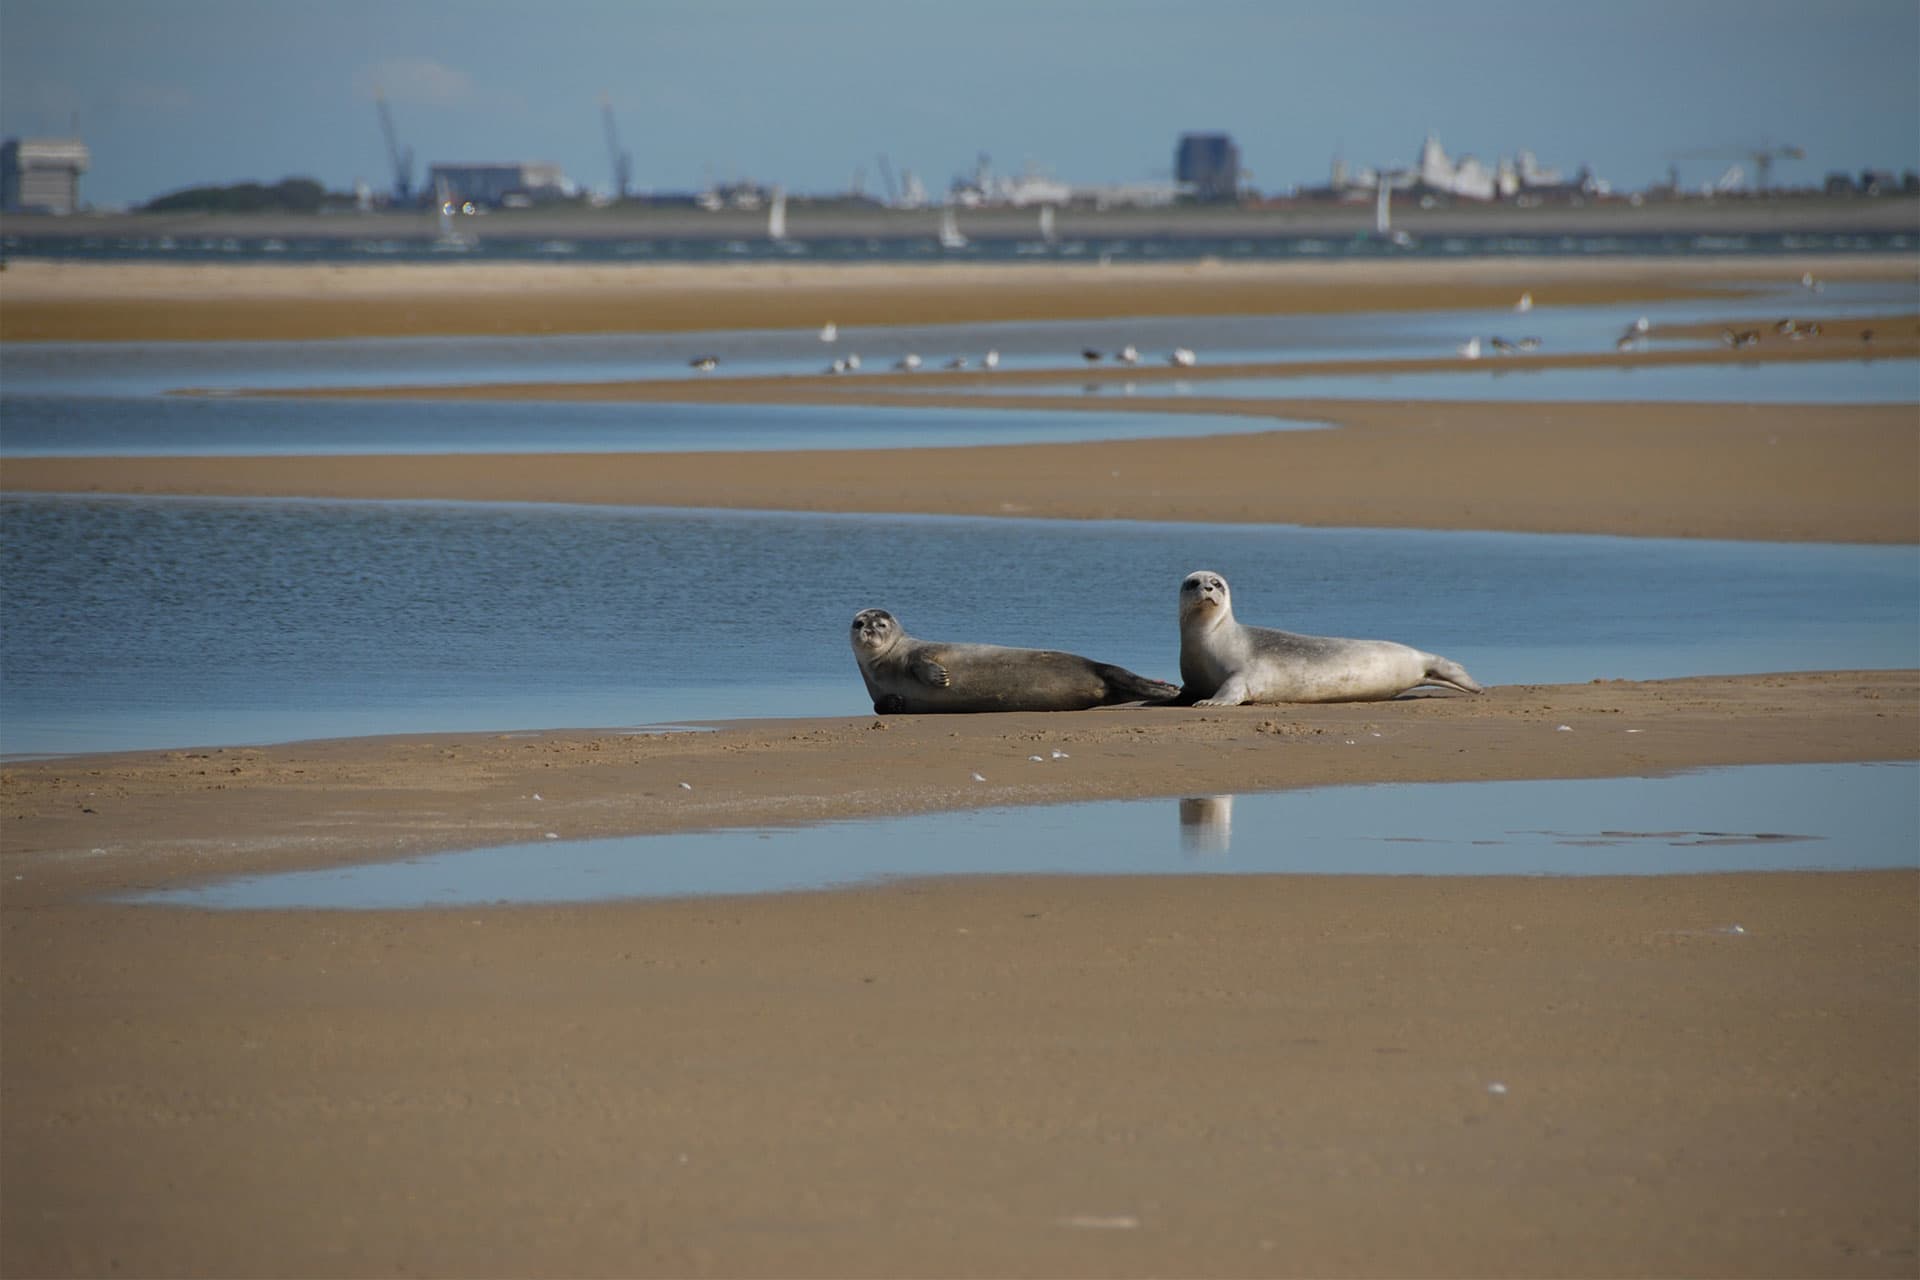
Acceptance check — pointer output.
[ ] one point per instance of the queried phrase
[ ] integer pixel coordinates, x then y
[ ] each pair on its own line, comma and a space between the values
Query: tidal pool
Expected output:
1755, 818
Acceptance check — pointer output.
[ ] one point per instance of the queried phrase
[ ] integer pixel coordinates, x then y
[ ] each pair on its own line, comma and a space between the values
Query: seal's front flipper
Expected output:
927, 671
1233, 693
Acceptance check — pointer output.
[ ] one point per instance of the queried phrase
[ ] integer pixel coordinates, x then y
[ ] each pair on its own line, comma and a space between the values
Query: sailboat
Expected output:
1383, 217
950, 237
777, 216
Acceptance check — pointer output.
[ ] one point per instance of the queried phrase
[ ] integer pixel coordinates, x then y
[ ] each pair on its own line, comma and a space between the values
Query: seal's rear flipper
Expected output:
1452, 675
1125, 686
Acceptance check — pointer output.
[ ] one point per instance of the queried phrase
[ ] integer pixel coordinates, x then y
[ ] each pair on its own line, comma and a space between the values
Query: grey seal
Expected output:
1224, 663
905, 674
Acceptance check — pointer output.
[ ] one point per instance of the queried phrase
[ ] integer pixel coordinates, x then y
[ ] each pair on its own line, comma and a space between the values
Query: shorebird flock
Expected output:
1633, 338
912, 362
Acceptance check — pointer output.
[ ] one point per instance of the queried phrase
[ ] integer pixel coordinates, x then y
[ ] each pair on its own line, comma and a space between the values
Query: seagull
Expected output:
958, 362
991, 360
1129, 354
1183, 357
705, 364
1626, 341
909, 362
1090, 356
838, 366
853, 361
1807, 281
1470, 349
1641, 325
829, 331
1525, 303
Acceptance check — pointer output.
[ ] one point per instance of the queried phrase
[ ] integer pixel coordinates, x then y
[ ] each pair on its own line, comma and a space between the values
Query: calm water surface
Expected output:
1758, 818
134, 623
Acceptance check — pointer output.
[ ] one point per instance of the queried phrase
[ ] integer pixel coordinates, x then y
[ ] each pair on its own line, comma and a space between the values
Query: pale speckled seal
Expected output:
908, 675
1224, 663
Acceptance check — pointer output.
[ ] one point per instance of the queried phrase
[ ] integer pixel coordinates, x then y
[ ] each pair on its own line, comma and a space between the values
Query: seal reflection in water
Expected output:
1224, 663
908, 675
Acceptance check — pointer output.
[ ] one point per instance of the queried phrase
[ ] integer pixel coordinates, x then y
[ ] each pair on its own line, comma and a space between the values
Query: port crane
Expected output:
400, 157
1761, 157
622, 160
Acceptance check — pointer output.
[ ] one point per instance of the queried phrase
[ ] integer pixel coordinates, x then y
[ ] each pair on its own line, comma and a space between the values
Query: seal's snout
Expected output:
1202, 590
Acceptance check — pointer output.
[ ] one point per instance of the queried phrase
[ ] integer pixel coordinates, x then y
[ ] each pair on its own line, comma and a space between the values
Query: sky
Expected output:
806, 94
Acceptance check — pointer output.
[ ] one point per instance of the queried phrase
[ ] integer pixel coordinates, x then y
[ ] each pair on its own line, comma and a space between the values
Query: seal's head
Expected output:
1204, 599
874, 632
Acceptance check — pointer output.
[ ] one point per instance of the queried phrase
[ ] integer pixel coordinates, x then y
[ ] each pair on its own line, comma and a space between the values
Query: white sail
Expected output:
1047, 232
777, 215
950, 237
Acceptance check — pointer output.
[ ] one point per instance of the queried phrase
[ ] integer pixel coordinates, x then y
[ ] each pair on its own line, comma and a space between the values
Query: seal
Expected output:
904, 674
1224, 663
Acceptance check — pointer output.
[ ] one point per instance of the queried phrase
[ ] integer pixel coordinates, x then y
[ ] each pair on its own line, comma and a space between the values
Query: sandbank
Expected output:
1768, 472
1027, 1075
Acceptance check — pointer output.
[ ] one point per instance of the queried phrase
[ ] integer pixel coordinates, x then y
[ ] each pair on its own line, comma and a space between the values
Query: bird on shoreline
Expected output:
1182, 357
1525, 303
991, 360
1470, 349
1090, 356
829, 331
1129, 354
908, 362
705, 364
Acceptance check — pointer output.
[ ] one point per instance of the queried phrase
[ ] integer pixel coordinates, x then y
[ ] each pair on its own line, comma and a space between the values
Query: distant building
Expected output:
493, 184
41, 175
1209, 165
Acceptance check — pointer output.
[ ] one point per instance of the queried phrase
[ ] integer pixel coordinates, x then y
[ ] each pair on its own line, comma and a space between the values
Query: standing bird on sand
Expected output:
1182, 357
829, 331
1129, 354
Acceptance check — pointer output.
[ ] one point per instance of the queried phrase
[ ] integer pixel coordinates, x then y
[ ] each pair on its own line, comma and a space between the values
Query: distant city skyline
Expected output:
810, 96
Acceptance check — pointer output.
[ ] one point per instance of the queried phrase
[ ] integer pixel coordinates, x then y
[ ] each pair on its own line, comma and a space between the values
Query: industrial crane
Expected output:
622, 160
400, 157
1761, 157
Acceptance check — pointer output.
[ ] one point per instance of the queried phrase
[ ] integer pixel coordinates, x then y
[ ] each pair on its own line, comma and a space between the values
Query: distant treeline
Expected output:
289, 195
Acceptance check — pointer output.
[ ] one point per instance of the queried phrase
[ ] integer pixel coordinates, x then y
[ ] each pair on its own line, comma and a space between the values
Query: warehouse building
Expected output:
41, 175
493, 185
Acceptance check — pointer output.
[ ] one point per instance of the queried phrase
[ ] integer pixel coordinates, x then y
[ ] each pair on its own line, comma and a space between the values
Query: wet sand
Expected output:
82, 301
1198, 1076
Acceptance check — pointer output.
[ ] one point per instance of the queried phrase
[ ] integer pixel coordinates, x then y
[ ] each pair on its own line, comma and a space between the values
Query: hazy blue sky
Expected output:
175, 93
